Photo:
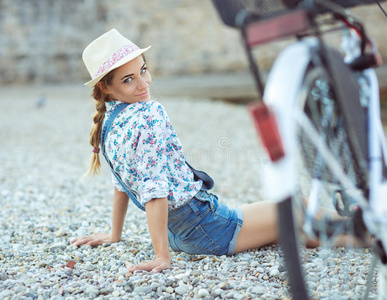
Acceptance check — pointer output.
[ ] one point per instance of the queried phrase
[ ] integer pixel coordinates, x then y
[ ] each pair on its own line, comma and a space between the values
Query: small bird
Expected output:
41, 101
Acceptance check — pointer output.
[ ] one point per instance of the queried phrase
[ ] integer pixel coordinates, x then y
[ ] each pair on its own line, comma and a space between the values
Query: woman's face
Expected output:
130, 82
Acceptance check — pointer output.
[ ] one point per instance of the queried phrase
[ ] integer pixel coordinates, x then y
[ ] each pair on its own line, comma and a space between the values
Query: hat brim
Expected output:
121, 62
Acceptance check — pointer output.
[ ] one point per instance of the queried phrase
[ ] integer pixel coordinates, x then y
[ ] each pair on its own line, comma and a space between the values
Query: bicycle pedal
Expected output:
343, 206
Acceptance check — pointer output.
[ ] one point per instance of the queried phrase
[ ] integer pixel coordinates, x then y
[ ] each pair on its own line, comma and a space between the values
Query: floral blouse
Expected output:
146, 153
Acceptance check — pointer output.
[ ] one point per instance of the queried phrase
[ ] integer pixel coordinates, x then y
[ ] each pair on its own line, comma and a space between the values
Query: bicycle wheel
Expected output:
325, 209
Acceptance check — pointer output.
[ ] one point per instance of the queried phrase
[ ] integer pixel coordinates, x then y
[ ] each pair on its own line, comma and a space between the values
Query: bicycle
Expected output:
319, 122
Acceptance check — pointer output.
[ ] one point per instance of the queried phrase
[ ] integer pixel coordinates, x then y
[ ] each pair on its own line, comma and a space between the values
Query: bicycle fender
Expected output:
281, 93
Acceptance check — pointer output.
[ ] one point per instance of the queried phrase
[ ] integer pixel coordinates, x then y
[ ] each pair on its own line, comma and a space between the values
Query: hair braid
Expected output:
98, 117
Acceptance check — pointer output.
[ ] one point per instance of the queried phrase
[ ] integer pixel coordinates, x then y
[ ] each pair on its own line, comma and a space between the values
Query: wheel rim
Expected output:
320, 186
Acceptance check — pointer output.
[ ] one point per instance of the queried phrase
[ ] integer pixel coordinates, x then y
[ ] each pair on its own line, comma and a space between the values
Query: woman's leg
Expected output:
259, 226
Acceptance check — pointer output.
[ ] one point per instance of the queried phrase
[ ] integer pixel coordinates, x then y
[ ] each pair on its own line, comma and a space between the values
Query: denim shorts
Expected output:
204, 226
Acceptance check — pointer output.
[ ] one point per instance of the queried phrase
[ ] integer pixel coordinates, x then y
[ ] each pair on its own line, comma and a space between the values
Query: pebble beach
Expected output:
46, 202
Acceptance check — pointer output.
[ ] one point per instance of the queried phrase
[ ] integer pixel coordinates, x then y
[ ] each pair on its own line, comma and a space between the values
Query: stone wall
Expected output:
41, 41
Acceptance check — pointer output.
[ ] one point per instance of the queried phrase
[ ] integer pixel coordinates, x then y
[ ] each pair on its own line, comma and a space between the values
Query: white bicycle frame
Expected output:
282, 93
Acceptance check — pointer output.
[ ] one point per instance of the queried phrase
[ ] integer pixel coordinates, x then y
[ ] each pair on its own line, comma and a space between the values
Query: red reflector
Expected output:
266, 126
264, 31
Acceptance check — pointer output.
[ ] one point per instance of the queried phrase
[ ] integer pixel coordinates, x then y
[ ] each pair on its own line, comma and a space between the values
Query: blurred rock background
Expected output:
41, 41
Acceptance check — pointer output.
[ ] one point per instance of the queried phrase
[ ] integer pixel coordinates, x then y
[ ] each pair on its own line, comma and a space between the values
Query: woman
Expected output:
149, 167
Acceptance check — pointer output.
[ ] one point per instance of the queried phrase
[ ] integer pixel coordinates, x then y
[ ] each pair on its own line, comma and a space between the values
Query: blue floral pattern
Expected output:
146, 152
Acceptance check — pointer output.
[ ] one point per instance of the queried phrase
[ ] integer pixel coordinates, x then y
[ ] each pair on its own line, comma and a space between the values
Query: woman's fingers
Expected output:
155, 266
92, 240
143, 266
81, 241
160, 268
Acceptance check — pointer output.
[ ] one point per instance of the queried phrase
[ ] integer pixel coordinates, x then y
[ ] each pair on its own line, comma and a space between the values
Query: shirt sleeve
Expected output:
151, 159
116, 184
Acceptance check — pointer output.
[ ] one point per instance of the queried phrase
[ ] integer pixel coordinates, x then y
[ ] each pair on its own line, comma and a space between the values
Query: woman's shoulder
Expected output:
153, 108
153, 104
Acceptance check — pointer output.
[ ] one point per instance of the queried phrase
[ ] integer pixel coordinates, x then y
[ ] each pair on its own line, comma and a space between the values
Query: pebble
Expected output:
5, 294
217, 292
196, 273
92, 290
181, 289
89, 267
47, 283
142, 289
259, 290
274, 272
45, 208
58, 246
116, 294
202, 293
3, 276
105, 291
222, 285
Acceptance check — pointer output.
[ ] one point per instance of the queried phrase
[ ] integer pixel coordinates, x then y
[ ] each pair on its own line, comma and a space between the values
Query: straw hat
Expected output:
108, 52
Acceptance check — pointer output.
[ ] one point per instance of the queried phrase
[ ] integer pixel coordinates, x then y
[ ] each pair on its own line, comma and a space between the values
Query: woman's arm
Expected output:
120, 205
157, 216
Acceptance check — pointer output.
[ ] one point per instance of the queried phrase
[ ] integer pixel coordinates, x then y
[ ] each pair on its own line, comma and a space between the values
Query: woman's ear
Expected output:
103, 87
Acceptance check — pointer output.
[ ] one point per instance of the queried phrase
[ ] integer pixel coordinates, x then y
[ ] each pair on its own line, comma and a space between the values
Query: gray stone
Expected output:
4, 294
58, 246
105, 291
142, 289
155, 286
202, 293
89, 267
92, 290
20, 289
47, 284
3, 276
169, 282
181, 289
259, 290
217, 292
195, 273
274, 272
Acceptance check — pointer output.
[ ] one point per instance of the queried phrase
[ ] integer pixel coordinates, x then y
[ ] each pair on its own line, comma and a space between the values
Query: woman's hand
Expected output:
120, 205
94, 239
156, 266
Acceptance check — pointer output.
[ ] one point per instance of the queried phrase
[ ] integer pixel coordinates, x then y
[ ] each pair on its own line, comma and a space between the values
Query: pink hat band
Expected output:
119, 54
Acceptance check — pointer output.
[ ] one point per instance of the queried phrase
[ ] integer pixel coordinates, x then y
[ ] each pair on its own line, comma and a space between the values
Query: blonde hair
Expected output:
95, 134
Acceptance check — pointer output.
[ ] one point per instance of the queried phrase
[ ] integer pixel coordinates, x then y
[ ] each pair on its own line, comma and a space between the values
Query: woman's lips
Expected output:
143, 94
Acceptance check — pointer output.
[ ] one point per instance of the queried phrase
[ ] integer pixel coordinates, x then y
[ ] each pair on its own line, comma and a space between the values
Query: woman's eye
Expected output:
143, 70
128, 80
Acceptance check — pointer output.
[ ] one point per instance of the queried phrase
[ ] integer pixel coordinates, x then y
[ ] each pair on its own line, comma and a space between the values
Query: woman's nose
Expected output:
142, 84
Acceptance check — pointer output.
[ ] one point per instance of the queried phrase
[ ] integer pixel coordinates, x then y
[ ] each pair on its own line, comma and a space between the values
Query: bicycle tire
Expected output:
289, 244
382, 282
346, 90
320, 106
